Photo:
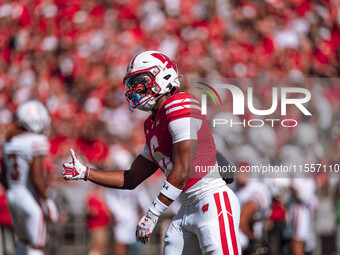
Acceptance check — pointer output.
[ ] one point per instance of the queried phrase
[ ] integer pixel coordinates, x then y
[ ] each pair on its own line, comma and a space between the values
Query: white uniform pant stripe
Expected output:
225, 217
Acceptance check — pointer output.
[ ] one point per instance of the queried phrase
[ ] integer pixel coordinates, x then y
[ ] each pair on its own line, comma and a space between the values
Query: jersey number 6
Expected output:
164, 162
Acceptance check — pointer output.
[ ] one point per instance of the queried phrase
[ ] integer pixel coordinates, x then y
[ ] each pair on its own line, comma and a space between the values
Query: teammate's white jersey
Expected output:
259, 193
18, 155
28, 219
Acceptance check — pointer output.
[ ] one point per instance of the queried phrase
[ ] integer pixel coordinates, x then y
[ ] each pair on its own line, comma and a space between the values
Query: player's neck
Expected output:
13, 131
159, 104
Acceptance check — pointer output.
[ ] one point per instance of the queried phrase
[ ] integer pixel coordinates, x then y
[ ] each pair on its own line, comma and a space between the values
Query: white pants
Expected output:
27, 216
303, 226
209, 226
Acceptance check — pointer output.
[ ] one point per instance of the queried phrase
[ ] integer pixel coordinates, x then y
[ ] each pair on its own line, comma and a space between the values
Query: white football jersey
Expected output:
257, 192
18, 155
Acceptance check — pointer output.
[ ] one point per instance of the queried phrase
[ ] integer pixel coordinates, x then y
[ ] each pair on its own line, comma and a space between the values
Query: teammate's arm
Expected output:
37, 176
140, 170
247, 212
3, 179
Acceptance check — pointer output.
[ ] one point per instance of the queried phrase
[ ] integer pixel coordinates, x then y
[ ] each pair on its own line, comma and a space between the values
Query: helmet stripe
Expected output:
132, 62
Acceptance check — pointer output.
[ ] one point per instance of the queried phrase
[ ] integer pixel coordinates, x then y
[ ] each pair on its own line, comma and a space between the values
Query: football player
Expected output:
22, 174
307, 150
255, 201
125, 205
178, 141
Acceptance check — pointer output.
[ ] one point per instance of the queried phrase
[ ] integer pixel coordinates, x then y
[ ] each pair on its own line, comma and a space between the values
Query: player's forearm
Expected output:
117, 179
141, 169
37, 170
177, 178
40, 187
165, 200
246, 230
183, 154
248, 210
170, 191
180, 173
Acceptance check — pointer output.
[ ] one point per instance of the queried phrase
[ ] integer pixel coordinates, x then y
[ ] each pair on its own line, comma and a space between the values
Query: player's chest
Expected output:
159, 141
158, 136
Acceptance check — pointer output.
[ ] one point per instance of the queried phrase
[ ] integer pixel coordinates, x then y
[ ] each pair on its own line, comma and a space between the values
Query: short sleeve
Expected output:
184, 129
182, 106
146, 152
40, 146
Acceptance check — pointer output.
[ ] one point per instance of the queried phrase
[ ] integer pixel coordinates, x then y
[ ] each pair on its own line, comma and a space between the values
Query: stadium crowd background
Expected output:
72, 56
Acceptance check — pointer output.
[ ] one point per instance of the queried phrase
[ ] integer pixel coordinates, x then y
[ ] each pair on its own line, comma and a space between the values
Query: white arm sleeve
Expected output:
184, 129
146, 152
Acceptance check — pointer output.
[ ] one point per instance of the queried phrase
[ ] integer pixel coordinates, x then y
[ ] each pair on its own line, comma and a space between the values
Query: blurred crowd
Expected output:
72, 56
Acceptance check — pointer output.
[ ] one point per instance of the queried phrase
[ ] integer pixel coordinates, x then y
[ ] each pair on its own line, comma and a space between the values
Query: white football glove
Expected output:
50, 209
75, 170
145, 227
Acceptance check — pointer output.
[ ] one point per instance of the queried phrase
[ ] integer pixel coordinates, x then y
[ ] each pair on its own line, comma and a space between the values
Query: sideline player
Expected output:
24, 149
178, 138
255, 201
